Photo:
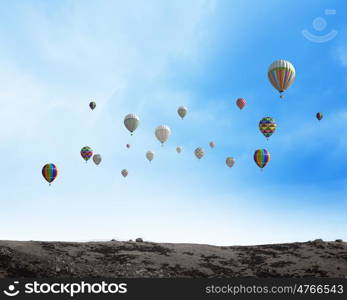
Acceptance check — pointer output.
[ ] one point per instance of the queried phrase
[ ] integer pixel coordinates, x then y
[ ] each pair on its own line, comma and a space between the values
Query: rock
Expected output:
139, 240
318, 241
338, 241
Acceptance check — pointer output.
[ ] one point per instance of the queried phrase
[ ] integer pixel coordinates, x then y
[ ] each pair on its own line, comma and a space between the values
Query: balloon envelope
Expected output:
199, 152
261, 157
162, 133
92, 105
128, 146
131, 122
281, 74
179, 149
267, 126
86, 153
241, 103
49, 172
319, 116
182, 111
97, 159
212, 144
150, 155
230, 161
124, 173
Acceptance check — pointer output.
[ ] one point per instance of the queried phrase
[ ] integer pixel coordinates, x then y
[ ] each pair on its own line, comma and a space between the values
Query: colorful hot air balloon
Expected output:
182, 111
92, 105
97, 159
281, 75
162, 133
131, 122
49, 172
212, 144
179, 149
241, 103
261, 157
150, 155
128, 146
124, 173
86, 153
319, 116
199, 152
230, 161
267, 126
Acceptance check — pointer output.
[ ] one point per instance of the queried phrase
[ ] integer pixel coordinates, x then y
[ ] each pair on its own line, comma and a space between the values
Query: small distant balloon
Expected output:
182, 111
199, 152
212, 144
86, 153
150, 155
162, 133
267, 126
261, 157
92, 105
281, 75
124, 173
230, 161
131, 122
49, 172
179, 149
319, 116
97, 159
128, 146
241, 103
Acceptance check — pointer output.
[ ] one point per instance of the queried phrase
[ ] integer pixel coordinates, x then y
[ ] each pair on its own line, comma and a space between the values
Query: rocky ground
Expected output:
147, 259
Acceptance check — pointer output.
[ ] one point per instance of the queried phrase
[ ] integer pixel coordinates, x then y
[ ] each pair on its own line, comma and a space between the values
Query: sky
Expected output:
149, 58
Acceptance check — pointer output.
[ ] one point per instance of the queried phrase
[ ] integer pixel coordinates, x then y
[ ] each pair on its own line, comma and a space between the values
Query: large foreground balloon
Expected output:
97, 159
267, 126
124, 173
131, 122
182, 111
86, 153
49, 172
150, 155
92, 105
199, 152
162, 133
241, 103
212, 144
261, 157
319, 116
230, 161
281, 75
179, 149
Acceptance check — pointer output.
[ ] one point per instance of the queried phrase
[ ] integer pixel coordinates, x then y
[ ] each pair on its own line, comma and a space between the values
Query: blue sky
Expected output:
148, 58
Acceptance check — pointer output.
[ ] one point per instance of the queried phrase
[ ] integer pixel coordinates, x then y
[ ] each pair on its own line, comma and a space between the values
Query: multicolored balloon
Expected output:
162, 133
241, 103
86, 153
49, 172
92, 105
261, 157
179, 149
182, 111
124, 173
281, 74
131, 122
319, 116
97, 159
150, 155
212, 144
230, 161
267, 126
199, 152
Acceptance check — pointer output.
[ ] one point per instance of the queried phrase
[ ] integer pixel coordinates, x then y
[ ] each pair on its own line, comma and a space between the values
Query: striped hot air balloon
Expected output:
86, 153
49, 172
162, 133
281, 74
261, 157
267, 126
241, 103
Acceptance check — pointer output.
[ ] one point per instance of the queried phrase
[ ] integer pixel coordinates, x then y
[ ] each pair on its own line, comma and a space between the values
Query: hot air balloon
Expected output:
241, 103
212, 144
182, 111
131, 122
162, 133
86, 153
179, 149
92, 105
261, 157
150, 155
319, 116
281, 75
97, 159
199, 152
230, 161
124, 173
267, 126
49, 172
128, 146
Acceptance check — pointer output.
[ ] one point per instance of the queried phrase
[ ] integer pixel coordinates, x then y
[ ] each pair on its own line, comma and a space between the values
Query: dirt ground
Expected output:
146, 259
